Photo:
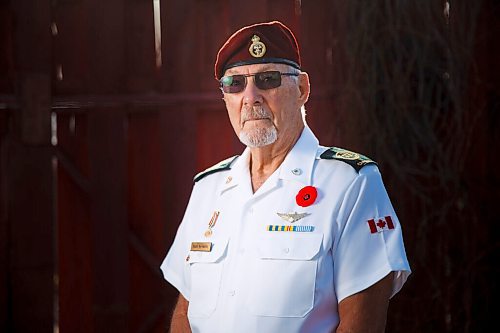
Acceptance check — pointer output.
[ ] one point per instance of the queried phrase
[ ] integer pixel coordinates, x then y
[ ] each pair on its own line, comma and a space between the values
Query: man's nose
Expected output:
252, 95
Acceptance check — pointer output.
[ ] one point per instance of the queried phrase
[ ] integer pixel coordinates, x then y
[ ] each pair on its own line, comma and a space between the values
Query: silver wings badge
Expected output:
292, 217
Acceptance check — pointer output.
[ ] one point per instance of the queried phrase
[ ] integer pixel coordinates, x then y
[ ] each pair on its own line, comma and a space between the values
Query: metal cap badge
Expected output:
257, 49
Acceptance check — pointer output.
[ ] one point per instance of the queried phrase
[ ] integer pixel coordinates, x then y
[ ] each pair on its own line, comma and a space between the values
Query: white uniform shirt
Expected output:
256, 280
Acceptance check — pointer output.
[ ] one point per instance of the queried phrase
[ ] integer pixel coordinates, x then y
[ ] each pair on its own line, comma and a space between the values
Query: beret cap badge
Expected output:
257, 49
260, 43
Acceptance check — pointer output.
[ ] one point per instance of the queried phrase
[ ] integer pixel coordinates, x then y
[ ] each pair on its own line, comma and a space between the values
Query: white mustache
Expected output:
253, 113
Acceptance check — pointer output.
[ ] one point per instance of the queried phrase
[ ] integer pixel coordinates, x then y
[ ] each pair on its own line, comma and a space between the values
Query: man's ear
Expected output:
304, 87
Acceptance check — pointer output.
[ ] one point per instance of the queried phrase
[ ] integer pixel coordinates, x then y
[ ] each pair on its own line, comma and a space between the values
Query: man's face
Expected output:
262, 117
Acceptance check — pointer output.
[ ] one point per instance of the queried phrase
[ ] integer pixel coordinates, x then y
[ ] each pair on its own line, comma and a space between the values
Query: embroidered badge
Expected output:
292, 217
212, 223
257, 49
346, 155
306, 196
380, 224
290, 228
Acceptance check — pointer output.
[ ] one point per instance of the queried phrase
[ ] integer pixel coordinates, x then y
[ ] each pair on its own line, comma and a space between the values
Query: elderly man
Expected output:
290, 236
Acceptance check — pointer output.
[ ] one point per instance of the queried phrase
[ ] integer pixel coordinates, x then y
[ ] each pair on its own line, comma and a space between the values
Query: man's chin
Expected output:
259, 138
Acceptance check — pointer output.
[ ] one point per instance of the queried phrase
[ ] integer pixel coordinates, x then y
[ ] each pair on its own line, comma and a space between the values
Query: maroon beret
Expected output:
270, 42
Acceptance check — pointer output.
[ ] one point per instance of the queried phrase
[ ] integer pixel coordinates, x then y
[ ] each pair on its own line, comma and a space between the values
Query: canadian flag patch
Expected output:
380, 224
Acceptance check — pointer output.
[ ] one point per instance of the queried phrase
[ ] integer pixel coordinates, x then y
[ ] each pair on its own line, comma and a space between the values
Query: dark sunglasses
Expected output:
264, 80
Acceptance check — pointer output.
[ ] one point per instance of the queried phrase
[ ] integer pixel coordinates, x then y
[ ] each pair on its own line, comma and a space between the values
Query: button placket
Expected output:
243, 220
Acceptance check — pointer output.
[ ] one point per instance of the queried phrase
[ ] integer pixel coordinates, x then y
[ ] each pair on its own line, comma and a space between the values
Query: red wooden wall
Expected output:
88, 210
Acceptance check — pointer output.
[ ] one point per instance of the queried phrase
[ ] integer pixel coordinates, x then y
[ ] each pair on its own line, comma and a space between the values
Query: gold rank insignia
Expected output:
292, 217
357, 161
347, 155
257, 49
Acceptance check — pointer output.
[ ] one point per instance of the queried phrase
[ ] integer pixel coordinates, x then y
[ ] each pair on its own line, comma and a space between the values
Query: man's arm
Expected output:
180, 323
366, 311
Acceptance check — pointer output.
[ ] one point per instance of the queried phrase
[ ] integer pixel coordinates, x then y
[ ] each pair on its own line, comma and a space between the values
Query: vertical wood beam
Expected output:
108, 213
30, 204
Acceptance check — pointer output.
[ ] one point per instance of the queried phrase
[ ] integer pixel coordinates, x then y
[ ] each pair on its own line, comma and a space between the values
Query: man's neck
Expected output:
265, 160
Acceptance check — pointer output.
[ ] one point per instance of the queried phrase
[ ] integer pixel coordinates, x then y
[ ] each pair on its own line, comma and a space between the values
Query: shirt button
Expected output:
297, 172
231, 293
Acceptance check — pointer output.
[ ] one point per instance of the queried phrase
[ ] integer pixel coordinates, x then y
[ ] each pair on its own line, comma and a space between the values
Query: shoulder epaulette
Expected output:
221, 166
357, 161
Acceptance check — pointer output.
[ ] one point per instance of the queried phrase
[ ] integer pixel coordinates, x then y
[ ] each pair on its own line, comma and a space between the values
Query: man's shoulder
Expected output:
221, 166
355, 160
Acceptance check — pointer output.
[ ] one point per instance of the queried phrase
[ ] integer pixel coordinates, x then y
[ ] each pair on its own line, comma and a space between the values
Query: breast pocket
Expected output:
206, 274
284, 274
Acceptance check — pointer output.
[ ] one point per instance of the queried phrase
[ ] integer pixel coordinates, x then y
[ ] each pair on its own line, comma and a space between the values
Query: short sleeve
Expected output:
175, 267
370, 244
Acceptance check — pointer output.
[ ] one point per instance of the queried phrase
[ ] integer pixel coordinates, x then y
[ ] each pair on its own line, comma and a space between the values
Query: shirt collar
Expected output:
297, 166
238, 173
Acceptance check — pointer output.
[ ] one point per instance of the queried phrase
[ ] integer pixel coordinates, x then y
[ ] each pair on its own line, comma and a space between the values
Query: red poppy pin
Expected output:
306, 196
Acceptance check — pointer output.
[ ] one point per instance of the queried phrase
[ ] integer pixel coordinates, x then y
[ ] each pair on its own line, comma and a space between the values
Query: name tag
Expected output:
201, 246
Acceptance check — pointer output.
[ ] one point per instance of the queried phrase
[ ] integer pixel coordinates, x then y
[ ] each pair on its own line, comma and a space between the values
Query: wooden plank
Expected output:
74, 246
146, 217
75, 260
141, 72
30, 214
179, 47
108, 212
179, 167
287, 12
29, 174
5, 320
212, 22
322, 42
106, 56
242, 13
35, 101
32, 38
6, 50
71, 37
72, 144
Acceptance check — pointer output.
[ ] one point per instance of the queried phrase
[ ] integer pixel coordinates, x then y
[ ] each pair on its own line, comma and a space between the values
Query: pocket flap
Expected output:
289, 245
216, 253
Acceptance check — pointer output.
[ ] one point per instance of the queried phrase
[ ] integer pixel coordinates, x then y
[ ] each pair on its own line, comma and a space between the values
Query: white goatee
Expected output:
257, 137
